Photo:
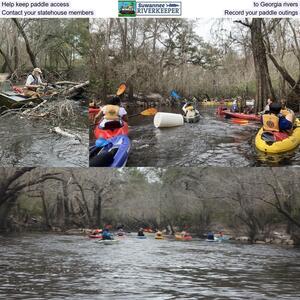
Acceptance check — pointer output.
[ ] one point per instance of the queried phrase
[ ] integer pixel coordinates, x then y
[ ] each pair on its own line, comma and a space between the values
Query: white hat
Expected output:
37, 70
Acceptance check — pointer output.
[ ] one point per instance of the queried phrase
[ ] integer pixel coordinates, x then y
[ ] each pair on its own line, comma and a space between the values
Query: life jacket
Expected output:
270, 122
190, 107
111, 112
35, 80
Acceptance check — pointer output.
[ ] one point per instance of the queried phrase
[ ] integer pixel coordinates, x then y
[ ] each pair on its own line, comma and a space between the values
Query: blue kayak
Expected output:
141, 237
113, 152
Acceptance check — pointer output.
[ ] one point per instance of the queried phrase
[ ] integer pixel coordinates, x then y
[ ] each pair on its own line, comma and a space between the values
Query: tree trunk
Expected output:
264, 88
99, 209
27, 43
7, 63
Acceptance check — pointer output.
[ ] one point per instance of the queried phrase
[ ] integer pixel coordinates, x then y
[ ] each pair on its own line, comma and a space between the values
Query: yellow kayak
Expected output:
268, 146
159, 236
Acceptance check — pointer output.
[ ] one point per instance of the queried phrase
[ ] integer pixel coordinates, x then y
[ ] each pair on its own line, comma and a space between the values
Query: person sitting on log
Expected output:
33, 82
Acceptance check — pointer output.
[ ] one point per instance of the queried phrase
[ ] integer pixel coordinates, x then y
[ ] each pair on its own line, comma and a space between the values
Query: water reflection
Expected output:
74, 267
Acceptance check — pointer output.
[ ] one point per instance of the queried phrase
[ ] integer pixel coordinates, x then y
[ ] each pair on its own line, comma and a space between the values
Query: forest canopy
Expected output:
58, 46
252, 58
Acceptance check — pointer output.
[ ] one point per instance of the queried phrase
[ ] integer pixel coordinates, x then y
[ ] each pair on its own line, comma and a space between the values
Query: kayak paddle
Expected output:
148, 112
239, 121
121, 90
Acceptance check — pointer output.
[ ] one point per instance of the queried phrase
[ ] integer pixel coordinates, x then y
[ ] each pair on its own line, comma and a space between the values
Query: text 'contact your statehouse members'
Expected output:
42, 8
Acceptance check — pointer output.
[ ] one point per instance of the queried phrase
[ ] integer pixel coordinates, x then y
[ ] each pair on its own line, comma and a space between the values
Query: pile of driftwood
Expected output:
53, 112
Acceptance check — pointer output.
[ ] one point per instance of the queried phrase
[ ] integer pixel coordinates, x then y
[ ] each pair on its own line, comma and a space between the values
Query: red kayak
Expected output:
93, 112
108, 134
227, 112
95, 236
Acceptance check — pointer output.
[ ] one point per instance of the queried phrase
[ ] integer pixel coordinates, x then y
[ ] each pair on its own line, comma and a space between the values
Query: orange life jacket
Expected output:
111, 112
270, 122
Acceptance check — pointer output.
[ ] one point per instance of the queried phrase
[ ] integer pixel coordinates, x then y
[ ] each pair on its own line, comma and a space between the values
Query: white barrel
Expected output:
162, 119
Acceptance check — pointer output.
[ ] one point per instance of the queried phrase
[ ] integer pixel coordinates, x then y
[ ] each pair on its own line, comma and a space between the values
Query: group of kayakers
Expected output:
240, 105
105, 234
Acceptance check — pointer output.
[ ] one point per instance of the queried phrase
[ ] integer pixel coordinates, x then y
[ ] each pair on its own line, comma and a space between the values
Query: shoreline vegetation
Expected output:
252, 59
259, 204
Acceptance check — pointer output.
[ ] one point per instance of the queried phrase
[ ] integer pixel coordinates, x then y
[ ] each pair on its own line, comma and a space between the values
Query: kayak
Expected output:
214, 240
114, 152
228, 113
108, 242
93, 112
141, 237
159, 238
95, 236
194, 119
183, 238
277, 142
213, 103
109, 133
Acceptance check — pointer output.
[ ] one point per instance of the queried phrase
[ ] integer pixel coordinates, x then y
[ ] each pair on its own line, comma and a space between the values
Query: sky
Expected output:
204, 27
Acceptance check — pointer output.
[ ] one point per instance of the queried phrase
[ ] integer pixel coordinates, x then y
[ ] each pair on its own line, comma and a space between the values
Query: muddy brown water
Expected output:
26, 142
48, 266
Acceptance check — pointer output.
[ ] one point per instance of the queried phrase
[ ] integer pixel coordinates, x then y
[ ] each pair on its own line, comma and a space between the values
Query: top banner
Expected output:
152, 8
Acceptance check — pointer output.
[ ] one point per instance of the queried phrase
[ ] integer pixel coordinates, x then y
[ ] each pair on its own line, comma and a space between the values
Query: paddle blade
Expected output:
149, 112
239, 121
121, 90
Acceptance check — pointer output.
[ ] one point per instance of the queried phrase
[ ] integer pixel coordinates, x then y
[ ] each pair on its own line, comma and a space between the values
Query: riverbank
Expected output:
273, 238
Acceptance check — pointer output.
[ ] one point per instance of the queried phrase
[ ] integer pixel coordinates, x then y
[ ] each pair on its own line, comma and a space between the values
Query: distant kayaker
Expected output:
106, 235
234, 107
33, 82
112, 115
189, 110
141, 232
275, 121
210, 236
267, 107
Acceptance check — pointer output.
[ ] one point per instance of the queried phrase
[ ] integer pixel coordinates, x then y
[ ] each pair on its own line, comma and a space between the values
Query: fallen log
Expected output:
75, 89
67, 83
30, 110
65, 133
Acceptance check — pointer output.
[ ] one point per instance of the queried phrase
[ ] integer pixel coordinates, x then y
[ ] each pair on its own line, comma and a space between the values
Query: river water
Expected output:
213, 141
51, 266
25, 142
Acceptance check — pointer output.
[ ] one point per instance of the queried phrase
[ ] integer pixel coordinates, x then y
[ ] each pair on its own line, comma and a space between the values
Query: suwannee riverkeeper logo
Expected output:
150, 8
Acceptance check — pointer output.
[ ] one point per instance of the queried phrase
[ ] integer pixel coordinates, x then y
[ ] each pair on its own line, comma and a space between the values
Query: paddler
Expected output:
141, 232
106, 235
234, 107
112, 115
33, 82
285, 111
210, 236
267, 107
274, 121
189, 110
